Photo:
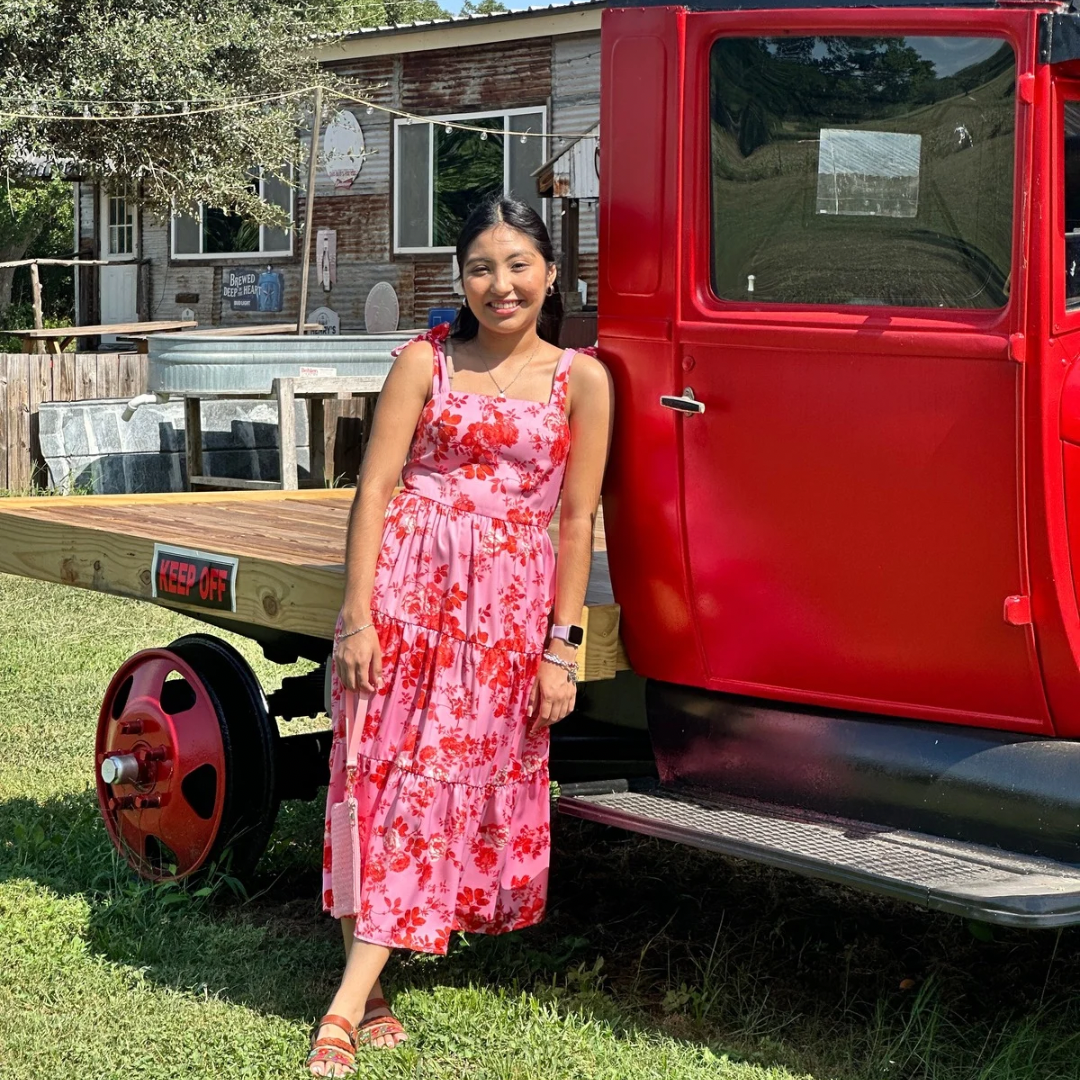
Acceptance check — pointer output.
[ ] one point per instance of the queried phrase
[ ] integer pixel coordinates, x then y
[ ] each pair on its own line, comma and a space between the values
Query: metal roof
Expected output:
474, 19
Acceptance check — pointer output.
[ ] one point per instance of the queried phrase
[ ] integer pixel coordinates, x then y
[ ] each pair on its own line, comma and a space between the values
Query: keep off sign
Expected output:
194, 577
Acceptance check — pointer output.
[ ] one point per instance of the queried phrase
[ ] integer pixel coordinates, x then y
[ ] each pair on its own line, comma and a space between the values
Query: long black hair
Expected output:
501, 209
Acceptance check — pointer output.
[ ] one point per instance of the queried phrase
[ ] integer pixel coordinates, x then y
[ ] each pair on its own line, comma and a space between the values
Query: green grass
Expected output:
655, 961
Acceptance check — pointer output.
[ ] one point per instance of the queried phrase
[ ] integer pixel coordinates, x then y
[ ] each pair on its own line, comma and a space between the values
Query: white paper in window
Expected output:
868, 173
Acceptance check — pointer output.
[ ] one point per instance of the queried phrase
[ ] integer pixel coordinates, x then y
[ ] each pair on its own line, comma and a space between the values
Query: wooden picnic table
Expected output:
232, 331
57, 338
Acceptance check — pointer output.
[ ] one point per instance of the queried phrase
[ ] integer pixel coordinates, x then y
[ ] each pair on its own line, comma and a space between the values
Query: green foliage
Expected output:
73, 59
485, 7
655, 961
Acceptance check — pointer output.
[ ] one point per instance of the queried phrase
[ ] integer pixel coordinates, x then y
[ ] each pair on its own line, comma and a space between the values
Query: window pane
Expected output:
121, 225
862, 170
187, 229
278, 193
414, 179
525, 157
467, 169
1071, 158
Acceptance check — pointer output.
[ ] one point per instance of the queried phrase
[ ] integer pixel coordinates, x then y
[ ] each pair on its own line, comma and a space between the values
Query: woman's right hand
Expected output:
359, 661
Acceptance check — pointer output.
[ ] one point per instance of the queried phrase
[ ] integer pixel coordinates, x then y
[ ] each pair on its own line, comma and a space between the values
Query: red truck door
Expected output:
851, 493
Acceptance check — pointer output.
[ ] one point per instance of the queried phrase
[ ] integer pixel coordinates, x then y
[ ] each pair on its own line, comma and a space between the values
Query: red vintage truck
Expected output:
840, 301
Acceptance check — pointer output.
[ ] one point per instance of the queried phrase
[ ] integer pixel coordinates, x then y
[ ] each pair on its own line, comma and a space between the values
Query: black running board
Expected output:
970, 880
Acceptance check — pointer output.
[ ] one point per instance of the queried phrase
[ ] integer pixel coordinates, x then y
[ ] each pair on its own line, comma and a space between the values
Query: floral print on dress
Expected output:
451, 788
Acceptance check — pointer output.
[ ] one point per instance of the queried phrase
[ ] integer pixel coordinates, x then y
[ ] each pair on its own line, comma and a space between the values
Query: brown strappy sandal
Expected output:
379, 1027
329, 1050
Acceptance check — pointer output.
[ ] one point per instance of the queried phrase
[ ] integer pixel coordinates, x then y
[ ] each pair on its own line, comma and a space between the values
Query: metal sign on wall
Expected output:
248, 289
343, 149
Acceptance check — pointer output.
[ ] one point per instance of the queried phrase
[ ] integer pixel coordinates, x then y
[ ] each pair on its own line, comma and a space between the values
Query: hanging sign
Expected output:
194, 577
326, 257
248, 289
343, 149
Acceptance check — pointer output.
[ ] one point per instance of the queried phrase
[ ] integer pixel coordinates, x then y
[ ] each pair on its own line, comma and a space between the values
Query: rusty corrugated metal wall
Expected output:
561, 73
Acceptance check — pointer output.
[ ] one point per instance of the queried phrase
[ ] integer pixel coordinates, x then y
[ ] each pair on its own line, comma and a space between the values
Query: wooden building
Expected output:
390, 189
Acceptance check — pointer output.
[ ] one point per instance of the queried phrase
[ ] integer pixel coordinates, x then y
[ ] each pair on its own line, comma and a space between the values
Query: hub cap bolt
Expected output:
131, 727
124, 802
147, 802
120, 769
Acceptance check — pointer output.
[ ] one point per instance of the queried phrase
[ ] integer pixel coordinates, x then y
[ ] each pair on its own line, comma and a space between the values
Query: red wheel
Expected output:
185, 757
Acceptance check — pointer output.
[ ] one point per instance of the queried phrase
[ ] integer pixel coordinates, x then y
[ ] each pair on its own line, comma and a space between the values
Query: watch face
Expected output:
575, 635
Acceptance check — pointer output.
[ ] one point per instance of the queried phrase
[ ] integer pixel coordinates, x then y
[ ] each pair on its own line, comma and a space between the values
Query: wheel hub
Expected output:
161, 764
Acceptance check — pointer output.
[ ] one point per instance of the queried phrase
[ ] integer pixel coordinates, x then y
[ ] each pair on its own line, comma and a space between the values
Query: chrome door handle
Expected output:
685, 404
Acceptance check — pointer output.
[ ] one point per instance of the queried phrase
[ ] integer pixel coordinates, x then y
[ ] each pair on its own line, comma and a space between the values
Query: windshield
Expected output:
862, 170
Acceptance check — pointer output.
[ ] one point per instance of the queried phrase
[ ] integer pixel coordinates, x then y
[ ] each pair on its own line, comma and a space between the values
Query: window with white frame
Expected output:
121, 235
442, 173
206, 231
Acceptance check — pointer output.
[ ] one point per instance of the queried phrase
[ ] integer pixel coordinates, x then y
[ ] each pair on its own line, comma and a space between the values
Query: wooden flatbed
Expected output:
290, 546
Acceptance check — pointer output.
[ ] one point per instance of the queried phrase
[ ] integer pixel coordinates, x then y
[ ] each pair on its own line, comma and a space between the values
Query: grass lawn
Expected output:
655, 961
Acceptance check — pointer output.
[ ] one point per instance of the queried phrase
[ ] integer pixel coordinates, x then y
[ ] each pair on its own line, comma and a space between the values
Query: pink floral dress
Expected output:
452, 790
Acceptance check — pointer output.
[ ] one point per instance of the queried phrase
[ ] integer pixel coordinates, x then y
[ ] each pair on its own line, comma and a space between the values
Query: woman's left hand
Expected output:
553, 695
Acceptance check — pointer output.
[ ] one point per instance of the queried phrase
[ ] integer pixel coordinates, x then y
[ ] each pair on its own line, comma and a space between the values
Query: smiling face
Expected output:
505, 278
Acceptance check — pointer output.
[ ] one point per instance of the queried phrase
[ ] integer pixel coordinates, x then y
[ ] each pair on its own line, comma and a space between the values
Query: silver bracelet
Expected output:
358, 630
569, 666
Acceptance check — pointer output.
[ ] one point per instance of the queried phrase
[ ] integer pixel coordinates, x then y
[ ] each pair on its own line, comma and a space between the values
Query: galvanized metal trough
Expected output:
204, 363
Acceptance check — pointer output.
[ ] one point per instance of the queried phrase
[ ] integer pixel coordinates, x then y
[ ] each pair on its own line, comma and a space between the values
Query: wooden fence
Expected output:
27, 380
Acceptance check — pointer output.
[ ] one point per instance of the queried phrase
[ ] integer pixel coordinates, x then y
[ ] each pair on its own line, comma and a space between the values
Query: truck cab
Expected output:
840, 300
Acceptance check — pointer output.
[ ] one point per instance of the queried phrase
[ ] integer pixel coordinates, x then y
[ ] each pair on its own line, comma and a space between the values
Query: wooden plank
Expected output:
193, 448
232, 483
133, 375
40, 390
317, 441
284, 392
64, 377
6, 361
290, 598
106, 379
189, 531
57, 332
85, 377
43, 506
19, 425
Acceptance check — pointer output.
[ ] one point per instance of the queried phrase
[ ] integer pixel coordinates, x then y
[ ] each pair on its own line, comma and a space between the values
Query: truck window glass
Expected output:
862, 170
1071, 159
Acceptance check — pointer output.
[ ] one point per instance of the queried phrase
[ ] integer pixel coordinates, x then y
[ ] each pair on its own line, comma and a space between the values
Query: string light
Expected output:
192, 107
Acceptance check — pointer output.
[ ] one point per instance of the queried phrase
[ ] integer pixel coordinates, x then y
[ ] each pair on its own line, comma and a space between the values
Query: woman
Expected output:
454, 650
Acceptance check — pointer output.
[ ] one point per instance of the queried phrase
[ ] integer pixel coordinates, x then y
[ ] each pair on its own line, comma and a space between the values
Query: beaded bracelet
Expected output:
569, 666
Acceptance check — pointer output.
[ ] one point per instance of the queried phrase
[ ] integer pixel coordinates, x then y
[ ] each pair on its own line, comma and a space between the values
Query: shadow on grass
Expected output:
641, 937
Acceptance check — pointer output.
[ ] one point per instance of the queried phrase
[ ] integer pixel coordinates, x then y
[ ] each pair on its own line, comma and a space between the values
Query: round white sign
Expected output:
343, 149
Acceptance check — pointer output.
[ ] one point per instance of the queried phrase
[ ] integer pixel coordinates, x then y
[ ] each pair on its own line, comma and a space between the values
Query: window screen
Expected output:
442, 174
862, 170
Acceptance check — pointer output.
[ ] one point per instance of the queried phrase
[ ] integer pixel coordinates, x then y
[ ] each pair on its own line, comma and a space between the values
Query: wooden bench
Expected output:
314, 389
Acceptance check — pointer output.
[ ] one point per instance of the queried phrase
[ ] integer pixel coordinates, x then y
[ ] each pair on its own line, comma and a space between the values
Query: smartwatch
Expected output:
572, 635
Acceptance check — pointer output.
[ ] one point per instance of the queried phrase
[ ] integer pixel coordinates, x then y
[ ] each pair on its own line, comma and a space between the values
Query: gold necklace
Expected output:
502, 390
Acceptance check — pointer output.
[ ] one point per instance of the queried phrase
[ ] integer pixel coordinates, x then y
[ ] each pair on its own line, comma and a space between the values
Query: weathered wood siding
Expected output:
26, 380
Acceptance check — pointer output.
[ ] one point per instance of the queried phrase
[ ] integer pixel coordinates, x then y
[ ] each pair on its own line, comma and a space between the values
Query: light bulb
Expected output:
483, 136
523, 139
370, 109
449, 129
